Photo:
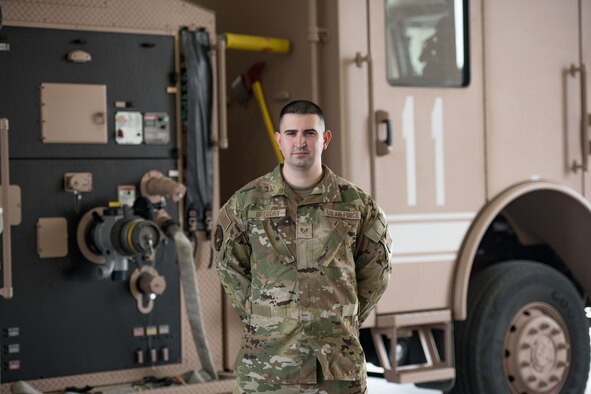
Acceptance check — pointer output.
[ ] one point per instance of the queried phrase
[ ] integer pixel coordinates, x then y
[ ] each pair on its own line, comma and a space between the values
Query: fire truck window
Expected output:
427, 42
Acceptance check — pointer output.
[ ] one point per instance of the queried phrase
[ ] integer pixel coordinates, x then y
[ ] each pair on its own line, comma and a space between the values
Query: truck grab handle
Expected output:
6, 290
584, 165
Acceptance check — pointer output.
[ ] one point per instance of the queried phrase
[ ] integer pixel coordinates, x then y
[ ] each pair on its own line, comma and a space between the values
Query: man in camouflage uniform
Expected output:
304, 256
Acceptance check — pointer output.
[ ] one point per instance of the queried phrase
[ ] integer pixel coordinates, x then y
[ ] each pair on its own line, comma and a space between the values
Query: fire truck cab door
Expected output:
585, 22
429, 81
533, 103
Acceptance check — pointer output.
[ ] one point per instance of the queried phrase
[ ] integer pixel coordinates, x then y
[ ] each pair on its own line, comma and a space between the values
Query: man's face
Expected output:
302, 139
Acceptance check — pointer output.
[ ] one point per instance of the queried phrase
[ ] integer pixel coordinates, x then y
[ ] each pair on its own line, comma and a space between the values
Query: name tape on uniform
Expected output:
267, 214
353, 215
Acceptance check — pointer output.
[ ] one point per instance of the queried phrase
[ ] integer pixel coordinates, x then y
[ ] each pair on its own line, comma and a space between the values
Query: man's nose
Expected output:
300, 140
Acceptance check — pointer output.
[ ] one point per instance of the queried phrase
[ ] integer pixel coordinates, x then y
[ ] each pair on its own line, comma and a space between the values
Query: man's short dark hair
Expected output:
302, 107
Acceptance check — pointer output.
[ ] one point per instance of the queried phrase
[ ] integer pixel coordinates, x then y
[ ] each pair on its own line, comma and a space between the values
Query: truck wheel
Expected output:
526, 332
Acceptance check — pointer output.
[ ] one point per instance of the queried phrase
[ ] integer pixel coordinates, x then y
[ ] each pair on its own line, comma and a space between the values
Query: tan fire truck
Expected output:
468, 121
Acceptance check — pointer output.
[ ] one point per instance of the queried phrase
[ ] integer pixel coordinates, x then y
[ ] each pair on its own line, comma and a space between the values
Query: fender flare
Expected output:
483, 221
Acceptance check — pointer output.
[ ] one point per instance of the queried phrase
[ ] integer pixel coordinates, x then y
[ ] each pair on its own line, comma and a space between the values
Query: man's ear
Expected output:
326, 136
278, 138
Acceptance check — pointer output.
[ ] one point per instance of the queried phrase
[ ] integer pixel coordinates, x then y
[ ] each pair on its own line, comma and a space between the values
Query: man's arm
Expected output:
232, 258
372, 261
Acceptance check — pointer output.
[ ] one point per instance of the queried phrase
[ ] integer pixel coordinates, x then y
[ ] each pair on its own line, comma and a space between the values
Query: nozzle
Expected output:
154, 185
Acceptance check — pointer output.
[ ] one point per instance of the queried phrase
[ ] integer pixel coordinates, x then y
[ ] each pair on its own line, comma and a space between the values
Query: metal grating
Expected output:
115, 15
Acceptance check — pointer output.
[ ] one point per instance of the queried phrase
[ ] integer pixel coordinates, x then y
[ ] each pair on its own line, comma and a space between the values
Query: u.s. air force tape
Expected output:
352, 215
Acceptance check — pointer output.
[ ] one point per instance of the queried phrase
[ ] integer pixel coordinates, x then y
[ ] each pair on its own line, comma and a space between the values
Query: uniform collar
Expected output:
327, 190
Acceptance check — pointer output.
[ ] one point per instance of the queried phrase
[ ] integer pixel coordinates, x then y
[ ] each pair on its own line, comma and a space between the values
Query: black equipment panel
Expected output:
137, 69
63, 320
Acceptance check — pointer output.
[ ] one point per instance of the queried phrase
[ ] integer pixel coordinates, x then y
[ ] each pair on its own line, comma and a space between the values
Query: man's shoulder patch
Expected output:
218, 238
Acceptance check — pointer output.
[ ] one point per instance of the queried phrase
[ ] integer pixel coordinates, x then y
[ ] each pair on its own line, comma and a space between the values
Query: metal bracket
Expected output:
436, 367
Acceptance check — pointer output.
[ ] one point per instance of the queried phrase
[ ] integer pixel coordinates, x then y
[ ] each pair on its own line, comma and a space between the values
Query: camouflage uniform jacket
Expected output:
303, 275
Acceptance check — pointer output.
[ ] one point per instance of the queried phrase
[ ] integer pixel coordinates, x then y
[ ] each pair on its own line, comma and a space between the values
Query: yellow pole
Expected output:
256, 43
257, 88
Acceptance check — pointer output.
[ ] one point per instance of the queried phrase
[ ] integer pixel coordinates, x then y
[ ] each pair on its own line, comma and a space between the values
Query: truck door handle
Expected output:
585, 118
6, 290
383, 145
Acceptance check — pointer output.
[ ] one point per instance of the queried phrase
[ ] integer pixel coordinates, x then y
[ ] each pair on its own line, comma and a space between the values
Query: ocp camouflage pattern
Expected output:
247, 385
302, 275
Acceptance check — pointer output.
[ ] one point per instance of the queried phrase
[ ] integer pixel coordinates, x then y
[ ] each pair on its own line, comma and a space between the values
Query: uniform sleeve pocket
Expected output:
378, 233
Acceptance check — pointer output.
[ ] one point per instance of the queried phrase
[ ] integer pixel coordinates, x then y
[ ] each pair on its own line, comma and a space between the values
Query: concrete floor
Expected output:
381, 386
378, 385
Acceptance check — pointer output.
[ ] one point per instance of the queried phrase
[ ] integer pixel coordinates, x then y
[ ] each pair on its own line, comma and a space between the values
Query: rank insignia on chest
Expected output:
304, 230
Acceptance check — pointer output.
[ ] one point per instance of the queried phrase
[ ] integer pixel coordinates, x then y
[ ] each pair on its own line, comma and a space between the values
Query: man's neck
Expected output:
303, 178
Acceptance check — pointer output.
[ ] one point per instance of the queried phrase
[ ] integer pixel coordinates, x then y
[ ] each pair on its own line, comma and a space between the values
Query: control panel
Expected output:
96, 282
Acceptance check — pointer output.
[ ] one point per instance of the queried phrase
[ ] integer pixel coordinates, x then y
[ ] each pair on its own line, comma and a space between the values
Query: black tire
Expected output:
462, 329
526, 323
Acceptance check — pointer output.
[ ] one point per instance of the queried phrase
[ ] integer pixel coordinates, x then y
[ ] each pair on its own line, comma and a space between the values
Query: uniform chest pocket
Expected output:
267, 241
336, 251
